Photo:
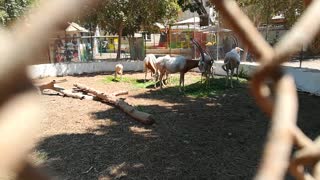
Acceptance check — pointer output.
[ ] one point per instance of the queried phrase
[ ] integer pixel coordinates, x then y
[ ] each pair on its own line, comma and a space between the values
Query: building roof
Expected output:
193, 20
75, 27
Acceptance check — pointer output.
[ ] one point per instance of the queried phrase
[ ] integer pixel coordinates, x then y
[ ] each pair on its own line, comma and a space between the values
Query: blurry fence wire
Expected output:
85, 48
19, 112
281, 105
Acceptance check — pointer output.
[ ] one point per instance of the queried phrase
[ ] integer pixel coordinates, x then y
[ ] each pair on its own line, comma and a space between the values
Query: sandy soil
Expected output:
219, 137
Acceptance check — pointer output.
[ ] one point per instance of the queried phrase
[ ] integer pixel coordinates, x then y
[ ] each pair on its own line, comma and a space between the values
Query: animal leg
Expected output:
208, 80
237, 73
227, 78
232, 71
145, 73
212, 72
160, 79
201, 79
181, 81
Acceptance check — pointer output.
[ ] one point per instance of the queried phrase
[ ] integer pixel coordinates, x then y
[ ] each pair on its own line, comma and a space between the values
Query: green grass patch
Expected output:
195, 88
137, 83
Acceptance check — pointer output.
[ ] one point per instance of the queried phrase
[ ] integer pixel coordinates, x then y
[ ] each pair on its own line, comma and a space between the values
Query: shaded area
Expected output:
217, 137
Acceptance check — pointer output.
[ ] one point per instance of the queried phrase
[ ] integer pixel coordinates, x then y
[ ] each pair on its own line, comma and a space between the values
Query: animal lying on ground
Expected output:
118, 70
149, 62
232, 62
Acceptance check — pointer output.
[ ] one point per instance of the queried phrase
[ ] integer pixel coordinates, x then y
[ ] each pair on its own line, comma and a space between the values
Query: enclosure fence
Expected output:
20, 114
276, 94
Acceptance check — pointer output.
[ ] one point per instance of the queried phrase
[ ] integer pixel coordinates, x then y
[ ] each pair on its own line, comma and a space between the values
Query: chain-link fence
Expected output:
19, 113
278, 99
84, 48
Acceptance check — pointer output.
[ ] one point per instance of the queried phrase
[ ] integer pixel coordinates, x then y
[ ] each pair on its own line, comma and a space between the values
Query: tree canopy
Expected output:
130, 16
264, 10
134, 15
193, 6
10, 10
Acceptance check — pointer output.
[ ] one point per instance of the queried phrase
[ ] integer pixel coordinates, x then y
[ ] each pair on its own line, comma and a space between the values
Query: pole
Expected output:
194, 31
217, 37
170, 40
301, 56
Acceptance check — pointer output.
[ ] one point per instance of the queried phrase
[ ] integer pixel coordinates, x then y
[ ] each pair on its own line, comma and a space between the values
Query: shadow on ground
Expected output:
217, 137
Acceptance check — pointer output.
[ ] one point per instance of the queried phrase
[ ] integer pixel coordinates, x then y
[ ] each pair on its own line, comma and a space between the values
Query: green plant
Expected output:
243, 73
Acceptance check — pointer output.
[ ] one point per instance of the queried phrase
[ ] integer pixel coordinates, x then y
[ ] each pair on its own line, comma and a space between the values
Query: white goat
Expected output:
118, 70
149, 63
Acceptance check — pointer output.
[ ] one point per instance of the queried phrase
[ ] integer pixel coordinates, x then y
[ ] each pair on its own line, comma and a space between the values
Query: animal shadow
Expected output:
115, 80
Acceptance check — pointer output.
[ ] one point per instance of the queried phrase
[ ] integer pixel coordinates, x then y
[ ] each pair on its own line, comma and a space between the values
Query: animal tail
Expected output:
224, 66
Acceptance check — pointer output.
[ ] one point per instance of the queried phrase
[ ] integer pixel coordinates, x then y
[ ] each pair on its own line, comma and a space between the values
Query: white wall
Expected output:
45, 70
307, 80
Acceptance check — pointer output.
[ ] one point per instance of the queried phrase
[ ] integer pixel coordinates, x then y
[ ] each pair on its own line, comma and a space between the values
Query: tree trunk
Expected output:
119, 41
142, 117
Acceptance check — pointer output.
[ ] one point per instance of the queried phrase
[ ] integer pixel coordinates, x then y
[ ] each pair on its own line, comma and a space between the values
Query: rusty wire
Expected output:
18, 48
282, 106
19, 112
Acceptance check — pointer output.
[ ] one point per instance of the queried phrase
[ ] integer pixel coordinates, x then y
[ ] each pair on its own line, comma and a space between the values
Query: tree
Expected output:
10, 10
193, 6
261, 12
132, 15
266, 9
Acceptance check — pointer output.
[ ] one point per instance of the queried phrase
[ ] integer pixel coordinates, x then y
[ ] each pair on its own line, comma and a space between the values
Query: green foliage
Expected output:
261, 11
134, 15
217, 87
192, 5
243, 73
10, 10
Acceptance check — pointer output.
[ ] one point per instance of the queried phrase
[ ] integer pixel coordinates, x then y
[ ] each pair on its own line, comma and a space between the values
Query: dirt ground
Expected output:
218, 137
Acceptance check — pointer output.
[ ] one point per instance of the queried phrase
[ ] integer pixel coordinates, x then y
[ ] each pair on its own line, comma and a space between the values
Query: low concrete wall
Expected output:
63, 69
307, 80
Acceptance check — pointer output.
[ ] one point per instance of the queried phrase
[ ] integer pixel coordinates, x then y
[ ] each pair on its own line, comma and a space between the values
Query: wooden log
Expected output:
48, 85
142, 117
120, 93
81, 96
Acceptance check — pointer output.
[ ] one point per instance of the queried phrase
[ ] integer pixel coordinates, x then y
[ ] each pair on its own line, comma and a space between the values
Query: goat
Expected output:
149, 63
231, 62
205, 63
168, 65
118, 70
